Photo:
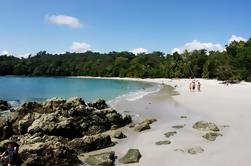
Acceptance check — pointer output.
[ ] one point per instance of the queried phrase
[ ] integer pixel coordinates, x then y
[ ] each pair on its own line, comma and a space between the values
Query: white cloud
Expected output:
236, 38
23, 55
197, 45
80, 47
139, 50
69, 21
4, 52
176, 50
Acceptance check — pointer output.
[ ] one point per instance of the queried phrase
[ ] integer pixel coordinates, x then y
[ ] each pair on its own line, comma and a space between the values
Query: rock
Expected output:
195, 150
141, 127
48, 153
103, 159
144, 125
166, 142
21, 126
202, 125
170, 134
99, 104
183, 117
131, 125
178, 126
6, 130
4, 105
55, 124
91, 143
132, 156
119, 135
211, 136
74, 102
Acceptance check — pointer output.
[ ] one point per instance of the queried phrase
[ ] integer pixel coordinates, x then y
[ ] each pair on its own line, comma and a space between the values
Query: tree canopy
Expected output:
233, 63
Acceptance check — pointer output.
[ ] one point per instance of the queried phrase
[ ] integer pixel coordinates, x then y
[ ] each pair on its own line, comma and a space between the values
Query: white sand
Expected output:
224, 105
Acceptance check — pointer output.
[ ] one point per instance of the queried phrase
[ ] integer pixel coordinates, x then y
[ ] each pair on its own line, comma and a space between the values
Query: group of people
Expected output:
193, 84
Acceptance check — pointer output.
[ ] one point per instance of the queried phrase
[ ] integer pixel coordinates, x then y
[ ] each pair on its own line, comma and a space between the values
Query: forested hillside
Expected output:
233, 63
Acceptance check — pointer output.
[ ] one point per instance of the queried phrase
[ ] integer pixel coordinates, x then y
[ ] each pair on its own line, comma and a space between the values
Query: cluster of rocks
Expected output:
211, 128
54, 132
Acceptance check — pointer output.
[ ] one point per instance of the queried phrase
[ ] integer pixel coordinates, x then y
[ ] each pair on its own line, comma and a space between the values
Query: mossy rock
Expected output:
132, 156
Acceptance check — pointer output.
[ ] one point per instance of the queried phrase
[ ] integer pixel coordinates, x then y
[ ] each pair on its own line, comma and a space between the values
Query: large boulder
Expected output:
202, 125
55, 124
21, 126
103, 159
48, 153
132, 156
91, 143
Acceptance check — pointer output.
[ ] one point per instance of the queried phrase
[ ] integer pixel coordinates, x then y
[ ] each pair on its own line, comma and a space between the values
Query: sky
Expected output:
56, 26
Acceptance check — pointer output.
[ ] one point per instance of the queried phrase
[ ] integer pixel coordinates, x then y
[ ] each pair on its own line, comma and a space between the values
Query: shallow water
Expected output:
16, 88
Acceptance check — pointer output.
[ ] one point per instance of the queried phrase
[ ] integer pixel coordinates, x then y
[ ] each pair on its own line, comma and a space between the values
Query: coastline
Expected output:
227, 106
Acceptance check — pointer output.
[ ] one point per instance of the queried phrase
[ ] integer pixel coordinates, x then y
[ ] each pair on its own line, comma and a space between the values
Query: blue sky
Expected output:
28, 26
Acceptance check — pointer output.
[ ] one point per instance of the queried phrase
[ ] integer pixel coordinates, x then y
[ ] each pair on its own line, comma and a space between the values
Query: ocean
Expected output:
19, 89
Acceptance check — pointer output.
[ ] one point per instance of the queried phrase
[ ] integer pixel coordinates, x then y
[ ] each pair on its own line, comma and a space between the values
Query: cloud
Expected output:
236, 38
197, 45
80, 47
23, 55
69, 21
139, 50
4, 52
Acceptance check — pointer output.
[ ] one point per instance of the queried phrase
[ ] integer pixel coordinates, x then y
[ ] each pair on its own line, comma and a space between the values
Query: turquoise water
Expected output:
15, 88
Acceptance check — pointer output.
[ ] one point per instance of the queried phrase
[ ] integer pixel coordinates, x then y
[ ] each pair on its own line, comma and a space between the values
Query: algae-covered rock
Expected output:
132, 156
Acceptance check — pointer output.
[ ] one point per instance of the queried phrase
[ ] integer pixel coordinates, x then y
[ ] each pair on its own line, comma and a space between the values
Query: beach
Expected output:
226, 106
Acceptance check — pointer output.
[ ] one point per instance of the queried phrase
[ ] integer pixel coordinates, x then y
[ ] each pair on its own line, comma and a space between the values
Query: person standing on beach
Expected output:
199, 86
190, 86
193, 85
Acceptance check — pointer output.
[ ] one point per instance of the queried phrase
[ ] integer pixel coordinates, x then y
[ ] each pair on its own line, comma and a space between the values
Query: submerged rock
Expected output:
195, 150
103, 159
119, 135
211, 136
202, 125
166, 142
132, 156
170, 134
183, 117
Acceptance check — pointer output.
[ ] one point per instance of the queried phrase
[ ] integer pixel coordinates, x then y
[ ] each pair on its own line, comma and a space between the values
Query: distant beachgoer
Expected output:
199, 86
193, 85
190, 86
10, 155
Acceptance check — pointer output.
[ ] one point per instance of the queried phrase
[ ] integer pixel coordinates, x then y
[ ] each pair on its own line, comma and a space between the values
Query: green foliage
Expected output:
234, 63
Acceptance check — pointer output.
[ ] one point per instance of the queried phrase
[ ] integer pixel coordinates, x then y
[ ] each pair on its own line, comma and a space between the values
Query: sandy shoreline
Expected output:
224, 105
